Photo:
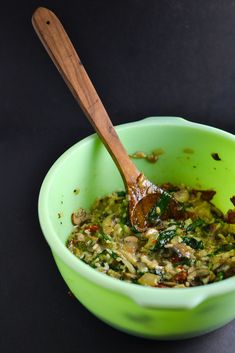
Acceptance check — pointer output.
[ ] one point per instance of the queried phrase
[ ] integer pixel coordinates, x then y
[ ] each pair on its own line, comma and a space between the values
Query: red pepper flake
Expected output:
93, 228
180, 267
175, 259
181, 277
230, 217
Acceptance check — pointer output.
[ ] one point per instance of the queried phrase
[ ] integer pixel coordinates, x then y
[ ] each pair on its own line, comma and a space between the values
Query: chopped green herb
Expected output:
198, 223
193, 243
121, 193
81, 245
104, 236
134, 230
114, 255
159, 208
224, 247
220, 276
164, 238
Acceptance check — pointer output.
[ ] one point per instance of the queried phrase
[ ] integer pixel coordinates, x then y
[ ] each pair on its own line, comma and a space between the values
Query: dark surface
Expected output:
145, 58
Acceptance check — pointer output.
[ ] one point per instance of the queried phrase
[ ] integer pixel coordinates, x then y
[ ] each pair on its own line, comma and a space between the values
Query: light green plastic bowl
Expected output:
160, 313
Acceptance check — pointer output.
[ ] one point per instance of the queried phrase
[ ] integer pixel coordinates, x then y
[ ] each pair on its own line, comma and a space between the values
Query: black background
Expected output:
145, 58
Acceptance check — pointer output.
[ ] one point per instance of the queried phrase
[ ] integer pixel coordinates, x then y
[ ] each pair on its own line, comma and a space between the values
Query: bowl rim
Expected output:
145, 296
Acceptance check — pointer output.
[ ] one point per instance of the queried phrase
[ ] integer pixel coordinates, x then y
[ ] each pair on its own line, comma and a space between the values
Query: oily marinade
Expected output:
193, 251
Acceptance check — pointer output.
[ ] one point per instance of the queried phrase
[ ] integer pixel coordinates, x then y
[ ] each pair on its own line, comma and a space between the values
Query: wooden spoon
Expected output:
145, 198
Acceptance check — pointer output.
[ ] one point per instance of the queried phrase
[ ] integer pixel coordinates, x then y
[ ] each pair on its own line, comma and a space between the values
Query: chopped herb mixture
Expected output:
197, 250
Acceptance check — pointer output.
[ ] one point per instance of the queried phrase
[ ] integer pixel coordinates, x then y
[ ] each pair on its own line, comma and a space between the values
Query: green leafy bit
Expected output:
108, 252
113, 254
198, 223
135, 231
193, 243
104, 237
159, 208
220, 276
82, 245
164, 238
225, 247
121, 193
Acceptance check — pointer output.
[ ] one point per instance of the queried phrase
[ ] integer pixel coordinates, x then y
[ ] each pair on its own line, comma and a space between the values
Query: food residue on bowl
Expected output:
149, 157
188, 150
76, 191
232, 199
215, 156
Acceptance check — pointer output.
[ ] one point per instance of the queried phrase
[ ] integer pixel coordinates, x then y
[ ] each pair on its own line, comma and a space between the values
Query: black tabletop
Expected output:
145, 58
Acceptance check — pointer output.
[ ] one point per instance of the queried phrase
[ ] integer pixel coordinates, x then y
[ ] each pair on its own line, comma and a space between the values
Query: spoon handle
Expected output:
58, 45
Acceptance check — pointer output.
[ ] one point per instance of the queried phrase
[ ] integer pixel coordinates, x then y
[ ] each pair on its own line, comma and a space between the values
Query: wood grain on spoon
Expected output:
143, 195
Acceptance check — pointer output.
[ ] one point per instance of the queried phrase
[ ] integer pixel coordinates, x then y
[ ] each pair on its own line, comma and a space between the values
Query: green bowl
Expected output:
160, 313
